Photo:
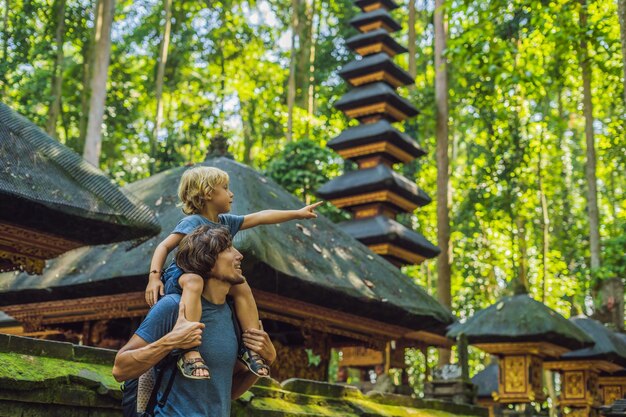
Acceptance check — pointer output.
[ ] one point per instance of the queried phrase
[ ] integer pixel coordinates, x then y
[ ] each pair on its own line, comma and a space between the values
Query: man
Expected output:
209, 253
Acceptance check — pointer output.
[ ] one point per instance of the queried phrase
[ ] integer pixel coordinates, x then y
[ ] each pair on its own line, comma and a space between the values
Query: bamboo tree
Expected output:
98, 85
161, 62
87, 55
291, 84
412, 43
5, 45
621, 13
57, 70
443, 177
590, 167
311, 81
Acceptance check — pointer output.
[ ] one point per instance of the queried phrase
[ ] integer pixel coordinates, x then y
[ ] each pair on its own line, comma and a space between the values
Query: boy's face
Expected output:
221, 198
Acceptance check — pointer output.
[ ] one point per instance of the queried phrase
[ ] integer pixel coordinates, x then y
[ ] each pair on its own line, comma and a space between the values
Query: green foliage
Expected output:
302, 167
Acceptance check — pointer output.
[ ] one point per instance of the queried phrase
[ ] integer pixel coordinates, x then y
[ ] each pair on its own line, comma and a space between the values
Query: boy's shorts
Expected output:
170, 279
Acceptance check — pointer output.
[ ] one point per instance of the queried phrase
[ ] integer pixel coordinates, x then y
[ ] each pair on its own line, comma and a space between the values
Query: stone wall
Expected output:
57, 379
44, 378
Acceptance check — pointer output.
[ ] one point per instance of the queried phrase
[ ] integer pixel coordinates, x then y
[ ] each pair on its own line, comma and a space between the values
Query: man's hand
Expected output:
153, 290
308, 212
259, 341
185, 334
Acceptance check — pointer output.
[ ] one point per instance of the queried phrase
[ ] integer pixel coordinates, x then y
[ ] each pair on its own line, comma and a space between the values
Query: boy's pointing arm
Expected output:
279, 216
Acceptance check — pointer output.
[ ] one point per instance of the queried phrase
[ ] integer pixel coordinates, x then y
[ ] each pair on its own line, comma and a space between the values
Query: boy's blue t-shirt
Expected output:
187, 225
197, 397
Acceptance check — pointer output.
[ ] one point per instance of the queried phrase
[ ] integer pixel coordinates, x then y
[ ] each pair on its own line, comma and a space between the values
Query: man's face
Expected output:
227, 267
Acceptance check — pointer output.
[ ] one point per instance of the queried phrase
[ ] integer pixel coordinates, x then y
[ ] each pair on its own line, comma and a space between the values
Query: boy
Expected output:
207, 200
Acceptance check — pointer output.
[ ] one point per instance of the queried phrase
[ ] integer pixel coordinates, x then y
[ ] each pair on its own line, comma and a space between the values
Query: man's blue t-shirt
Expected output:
197, 397
187, 225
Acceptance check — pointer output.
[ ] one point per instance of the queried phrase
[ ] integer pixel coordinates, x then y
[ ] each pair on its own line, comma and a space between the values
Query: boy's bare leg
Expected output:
246, 309
193, 286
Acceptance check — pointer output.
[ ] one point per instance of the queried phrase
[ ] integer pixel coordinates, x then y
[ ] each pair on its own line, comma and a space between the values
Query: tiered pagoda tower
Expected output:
375, 194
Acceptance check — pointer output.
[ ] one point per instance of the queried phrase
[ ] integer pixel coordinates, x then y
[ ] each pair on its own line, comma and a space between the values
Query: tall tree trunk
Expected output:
311, 83
57, 71
5, 30
249, 133
161, 62
621, 13
545, 224
523, 252
590, 167
305, 37
102, 54
291, 84
443, 216
412, 41
87, 53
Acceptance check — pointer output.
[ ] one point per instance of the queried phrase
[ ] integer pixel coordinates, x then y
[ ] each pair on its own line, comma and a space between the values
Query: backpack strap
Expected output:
162, 367
168, 388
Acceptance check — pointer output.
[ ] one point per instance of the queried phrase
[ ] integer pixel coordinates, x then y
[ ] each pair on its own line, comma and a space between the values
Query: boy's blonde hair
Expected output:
197, 184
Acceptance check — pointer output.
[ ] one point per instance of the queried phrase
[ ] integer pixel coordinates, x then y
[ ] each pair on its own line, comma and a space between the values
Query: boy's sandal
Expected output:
187, 367
255, 363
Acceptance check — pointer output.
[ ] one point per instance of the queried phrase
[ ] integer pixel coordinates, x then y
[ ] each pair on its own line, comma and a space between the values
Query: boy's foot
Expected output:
193, 367
255, 363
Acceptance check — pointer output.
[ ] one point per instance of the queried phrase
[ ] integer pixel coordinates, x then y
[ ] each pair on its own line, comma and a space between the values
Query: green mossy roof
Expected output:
48, 187
519, 318
608, 345
308, 260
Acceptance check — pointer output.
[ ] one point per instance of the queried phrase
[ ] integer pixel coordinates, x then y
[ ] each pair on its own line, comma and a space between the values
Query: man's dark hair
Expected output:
198, 251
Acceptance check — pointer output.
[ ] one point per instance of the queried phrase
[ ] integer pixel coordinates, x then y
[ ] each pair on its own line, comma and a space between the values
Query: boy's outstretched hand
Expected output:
308, 212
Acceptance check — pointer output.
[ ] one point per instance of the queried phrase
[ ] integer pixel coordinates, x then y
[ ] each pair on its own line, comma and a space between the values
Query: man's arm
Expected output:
137, 356
258, 341
279, 216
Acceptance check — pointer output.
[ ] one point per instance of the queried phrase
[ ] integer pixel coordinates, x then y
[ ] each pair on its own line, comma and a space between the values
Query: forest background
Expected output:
141, 86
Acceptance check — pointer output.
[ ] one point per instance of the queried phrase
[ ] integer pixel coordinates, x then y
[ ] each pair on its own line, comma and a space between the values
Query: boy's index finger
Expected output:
316, 205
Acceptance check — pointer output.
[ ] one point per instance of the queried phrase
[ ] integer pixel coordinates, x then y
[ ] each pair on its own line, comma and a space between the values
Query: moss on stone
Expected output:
21, 371
315, 408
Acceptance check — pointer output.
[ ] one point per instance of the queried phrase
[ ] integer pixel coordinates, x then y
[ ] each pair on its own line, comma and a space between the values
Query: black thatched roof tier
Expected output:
486, 381
378, 178
375, 63
372, 94
363, 41
365, 4
608, 345
376, 132
311, 261
519, 318
378, 15
381, 229
48, 187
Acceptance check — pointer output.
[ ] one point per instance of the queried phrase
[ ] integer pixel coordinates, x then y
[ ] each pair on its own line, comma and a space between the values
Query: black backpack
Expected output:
130, 388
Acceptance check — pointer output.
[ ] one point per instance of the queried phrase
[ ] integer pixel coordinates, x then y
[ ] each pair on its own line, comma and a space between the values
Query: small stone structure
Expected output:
55, 379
